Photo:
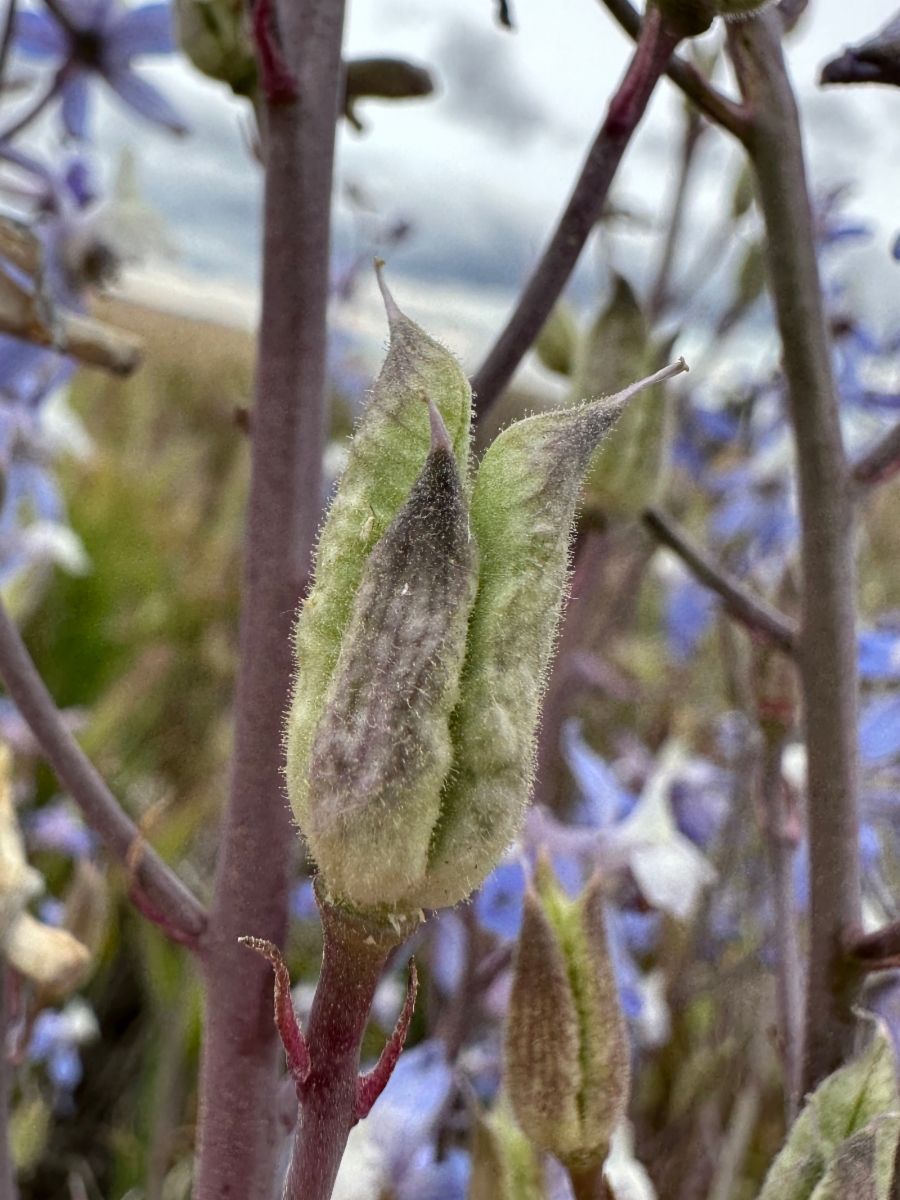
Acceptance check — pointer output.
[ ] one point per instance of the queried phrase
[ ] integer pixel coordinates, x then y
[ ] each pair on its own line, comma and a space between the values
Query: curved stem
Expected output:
827, 647
354, 957
239, 1134
740, 603
169, 903
585, 207
720, 109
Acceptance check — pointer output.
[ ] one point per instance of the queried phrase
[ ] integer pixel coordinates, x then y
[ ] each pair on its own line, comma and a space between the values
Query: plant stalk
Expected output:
657, 41
239, 1134
827, 647
354, 957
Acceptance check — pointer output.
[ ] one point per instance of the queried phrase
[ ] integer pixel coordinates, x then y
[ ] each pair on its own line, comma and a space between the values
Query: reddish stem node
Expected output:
278, 80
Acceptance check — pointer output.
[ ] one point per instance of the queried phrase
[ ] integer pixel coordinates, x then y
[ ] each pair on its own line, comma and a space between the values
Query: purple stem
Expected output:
781, 846
685, 76
169, 902
355, 954
827, 643
239, 1136
740, 603
657, 41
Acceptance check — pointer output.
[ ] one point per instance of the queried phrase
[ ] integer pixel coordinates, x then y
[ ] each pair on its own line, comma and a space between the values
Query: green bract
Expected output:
843, 1142
424, 643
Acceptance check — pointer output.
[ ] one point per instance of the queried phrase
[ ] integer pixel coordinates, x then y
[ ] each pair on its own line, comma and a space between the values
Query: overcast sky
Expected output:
481, 169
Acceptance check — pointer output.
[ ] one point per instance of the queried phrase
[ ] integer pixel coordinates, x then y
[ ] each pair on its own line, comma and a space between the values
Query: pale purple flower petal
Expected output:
39, 36
74, 105
144, 98
145, 30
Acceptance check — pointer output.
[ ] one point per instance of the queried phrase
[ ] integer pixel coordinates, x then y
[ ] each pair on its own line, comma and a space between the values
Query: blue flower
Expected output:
498, 904
690, 610
55, 1040
879, 655
101, 37
60, 828
403, 1124
879, 729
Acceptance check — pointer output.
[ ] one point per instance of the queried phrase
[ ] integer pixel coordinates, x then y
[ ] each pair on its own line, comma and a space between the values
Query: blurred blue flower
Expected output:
60, 828
55, 1040
879, 728
101, 37
449, 942
403, 1123
603, 802
52, 912
498, 903
879, 655
689, 613
303, 902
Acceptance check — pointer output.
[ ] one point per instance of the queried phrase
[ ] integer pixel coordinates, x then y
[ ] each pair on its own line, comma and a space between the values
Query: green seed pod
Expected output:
386, 456
557, 343
567, 1055
629, 474
214, 34
381, 748
522, 511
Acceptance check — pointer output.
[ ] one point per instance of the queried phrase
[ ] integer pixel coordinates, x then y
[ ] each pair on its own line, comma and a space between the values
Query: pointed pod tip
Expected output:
390, 304
440, 438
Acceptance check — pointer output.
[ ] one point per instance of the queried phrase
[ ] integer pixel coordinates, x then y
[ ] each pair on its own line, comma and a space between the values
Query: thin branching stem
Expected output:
720, 109
167, 900
780, 837
827, 645
585, 207
693, 133
752, 611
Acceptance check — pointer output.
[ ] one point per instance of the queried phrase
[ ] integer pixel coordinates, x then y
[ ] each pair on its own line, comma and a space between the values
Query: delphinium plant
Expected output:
393, 661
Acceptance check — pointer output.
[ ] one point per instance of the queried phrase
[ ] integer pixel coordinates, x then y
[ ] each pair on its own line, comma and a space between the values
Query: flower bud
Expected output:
567, 1054
386, 455
411, 735
382, 748
215, 37
624, 478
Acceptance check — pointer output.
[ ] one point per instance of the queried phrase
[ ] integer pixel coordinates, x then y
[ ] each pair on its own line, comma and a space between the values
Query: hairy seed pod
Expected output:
567, 1054
381, 749
523, 507
385, 458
